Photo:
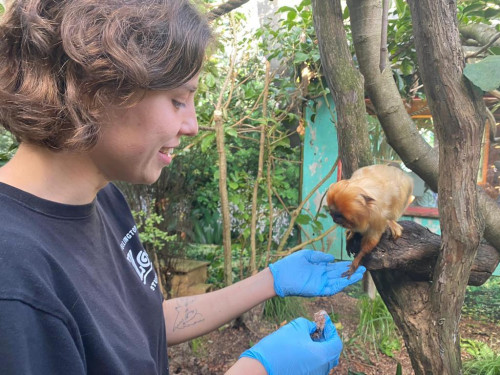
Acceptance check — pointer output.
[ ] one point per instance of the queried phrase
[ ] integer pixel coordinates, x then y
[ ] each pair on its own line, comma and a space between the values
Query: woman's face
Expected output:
137, 142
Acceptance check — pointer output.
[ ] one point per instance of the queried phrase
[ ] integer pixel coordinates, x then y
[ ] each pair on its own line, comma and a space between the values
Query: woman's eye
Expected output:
177, 104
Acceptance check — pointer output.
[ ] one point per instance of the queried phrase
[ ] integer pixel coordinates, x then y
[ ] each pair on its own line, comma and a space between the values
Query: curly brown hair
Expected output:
62, 63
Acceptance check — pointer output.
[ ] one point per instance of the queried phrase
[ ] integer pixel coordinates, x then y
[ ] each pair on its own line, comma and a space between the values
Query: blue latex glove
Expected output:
291, 350
310, 273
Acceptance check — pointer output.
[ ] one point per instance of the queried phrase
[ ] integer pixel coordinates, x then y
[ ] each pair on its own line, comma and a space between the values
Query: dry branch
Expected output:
416, 252
225, 8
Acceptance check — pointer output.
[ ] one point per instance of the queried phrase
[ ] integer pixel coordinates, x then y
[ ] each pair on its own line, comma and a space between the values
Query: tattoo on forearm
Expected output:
186, 316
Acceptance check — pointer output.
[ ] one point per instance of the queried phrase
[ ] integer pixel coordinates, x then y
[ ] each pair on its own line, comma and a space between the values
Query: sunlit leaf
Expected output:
485, 74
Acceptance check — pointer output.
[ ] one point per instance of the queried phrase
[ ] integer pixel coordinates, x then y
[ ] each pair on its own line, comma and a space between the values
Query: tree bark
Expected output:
224, 196
225, 8
346, 86
479, 32
400, 130
415, 254
459, 124
224, 199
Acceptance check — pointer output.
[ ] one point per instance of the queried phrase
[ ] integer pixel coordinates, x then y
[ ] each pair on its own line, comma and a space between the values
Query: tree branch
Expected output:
480, 32
383, 35
483, 48
225, 8
416, 251
346, 85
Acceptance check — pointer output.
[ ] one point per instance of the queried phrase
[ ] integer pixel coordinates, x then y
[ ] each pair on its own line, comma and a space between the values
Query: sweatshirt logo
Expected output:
140, 262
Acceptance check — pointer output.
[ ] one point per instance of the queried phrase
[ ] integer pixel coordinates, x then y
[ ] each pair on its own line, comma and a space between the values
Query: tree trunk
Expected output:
456, 110
346, 86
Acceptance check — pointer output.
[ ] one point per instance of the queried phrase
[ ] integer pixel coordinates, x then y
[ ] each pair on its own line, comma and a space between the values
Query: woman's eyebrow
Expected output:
190, 87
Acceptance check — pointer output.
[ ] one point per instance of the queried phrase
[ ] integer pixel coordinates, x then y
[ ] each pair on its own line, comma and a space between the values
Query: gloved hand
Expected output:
291, 350
310, 273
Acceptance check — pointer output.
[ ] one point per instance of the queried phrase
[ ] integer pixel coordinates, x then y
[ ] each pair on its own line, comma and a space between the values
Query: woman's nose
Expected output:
190, 123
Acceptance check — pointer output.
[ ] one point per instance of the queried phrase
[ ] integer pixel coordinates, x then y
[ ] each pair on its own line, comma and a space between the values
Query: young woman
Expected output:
97, 91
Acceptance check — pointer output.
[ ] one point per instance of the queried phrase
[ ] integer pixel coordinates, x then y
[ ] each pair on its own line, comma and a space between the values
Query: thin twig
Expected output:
296, 212
303, 244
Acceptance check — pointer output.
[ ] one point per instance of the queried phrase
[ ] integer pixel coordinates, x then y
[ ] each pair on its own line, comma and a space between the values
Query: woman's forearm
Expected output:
193, 316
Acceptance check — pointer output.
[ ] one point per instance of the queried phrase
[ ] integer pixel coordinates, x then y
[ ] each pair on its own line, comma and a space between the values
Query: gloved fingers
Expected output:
329, 331
319, 257
303, 325
358, 274
339, 267
335, 285
331, 340
336, 270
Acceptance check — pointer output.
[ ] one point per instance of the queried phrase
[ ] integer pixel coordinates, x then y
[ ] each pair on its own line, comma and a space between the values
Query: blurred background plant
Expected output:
484, 360
376, 326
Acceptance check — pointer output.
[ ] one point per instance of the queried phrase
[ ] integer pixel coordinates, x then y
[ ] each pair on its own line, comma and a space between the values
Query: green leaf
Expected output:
231, 132
300, 57
473, 7
491, 13
399, 369
207, 142
345, 14
285, 9
400, 6
210, 80
495, 50
303, 219
485, 74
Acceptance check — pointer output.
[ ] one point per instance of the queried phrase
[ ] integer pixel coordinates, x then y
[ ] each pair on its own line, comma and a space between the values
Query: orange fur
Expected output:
369, 202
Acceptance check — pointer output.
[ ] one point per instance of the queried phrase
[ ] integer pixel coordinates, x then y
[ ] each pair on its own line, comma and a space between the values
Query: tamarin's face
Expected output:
349, 206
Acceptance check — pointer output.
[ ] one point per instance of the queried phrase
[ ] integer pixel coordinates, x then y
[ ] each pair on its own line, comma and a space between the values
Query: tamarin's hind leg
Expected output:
395, 228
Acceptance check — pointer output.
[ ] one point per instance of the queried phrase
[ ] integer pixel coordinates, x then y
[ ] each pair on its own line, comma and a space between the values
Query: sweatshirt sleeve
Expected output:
27, 337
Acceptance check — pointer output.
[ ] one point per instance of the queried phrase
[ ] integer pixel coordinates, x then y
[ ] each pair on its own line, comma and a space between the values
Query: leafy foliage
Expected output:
485, 361
479, 11
483, 302
8, 146
150, 234
283, 310
377, 327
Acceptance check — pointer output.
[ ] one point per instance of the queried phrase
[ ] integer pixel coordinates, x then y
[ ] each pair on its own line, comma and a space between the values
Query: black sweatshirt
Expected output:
78, 293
